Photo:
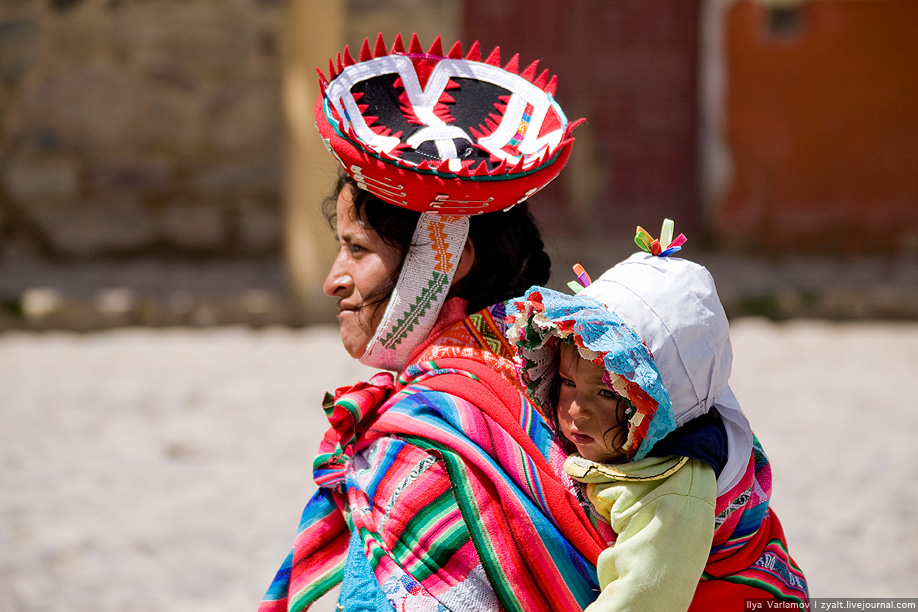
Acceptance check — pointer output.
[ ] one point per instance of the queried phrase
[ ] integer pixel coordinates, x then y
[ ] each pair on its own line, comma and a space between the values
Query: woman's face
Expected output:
590, 414
364, 263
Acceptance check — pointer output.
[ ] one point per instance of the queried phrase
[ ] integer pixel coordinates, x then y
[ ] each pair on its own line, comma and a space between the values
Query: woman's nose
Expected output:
338, 281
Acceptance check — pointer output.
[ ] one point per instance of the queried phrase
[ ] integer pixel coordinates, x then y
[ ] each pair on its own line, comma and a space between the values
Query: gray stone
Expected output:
195, 226
115, 300
207, 40
141, 176
429, 18
113, 110
20, 43
65, 5
243, 118
259, 226
171, 119
86, 106
78, 39
31, 180
111, 224
234, 177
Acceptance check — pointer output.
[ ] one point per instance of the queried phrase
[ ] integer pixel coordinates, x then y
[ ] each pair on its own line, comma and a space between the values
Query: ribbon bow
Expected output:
349, 411
655, 247
582, 277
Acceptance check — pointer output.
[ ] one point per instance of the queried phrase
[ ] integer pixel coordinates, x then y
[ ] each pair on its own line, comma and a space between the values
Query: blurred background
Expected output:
159, 163
162, 254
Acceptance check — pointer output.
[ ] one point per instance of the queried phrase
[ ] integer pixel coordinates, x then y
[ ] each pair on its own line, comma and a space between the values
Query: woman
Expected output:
439, 489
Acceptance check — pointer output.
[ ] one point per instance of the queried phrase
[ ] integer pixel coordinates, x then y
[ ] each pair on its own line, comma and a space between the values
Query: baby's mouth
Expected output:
580, 438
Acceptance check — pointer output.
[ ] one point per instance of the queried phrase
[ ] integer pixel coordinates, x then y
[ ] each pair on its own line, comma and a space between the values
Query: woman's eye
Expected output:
356, 248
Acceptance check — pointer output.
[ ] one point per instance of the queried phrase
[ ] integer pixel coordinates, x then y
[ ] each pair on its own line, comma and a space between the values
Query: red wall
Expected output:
629, 67
822, 124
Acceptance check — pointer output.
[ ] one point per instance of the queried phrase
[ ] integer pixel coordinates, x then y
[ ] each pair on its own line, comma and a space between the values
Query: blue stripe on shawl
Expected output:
439, 409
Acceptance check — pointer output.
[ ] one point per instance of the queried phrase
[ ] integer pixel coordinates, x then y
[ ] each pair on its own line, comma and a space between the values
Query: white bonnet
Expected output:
673, 306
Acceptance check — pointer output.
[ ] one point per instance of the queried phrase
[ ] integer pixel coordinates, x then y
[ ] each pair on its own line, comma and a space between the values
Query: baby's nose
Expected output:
579, 411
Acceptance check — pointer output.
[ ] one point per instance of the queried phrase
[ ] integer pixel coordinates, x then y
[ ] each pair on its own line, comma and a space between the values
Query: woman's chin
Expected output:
354, 337
355, 350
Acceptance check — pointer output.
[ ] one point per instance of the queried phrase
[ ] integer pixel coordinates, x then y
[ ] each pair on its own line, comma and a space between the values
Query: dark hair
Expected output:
554, 397
510, 256
553, 344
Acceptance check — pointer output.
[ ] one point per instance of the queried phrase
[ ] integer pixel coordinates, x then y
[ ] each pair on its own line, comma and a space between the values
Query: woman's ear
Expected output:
466, 261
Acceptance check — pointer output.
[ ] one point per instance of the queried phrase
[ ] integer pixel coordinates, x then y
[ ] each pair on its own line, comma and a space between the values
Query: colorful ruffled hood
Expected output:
544, 317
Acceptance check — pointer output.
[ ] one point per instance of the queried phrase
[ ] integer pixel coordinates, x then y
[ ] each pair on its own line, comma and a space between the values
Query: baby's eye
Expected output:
609, 394
567, 382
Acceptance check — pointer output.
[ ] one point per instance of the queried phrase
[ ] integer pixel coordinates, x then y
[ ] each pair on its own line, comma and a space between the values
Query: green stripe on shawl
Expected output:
308, 595
768, 585
464, 496
439, 550
376, 552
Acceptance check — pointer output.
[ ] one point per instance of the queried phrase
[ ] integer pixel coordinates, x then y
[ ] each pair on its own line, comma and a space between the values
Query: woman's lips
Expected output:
579, 438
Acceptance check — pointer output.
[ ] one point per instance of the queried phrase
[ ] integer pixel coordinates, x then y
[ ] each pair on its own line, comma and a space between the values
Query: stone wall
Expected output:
142, 153
140, 127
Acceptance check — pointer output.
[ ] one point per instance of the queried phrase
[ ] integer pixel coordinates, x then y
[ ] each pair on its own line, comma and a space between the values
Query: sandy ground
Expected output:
165, 470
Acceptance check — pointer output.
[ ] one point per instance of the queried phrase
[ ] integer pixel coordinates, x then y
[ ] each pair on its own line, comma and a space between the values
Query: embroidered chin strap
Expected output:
427, 274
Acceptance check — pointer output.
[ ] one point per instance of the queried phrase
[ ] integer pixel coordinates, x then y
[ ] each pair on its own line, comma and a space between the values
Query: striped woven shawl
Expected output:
443, 473
749, 557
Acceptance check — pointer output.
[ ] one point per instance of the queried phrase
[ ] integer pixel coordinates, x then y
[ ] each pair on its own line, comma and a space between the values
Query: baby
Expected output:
633, 374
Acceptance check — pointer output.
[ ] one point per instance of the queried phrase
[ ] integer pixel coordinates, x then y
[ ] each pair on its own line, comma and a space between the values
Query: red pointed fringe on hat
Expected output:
448, 133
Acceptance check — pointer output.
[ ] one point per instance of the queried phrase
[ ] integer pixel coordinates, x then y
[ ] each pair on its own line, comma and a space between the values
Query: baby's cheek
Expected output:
563, 410
564, 421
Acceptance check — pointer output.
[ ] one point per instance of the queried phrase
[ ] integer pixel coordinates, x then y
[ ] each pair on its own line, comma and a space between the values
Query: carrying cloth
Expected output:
672, 306
452, 481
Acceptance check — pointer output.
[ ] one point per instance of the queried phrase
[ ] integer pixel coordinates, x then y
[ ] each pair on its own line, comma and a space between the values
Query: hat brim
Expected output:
601, 337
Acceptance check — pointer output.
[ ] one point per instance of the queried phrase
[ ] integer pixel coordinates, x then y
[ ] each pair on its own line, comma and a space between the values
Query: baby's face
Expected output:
590, 414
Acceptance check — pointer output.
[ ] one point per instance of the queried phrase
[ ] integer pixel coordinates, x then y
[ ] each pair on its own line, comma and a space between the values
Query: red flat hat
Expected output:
439, 132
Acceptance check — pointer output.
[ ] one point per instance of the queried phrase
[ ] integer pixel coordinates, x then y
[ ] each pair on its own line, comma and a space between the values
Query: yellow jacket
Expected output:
662, 510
